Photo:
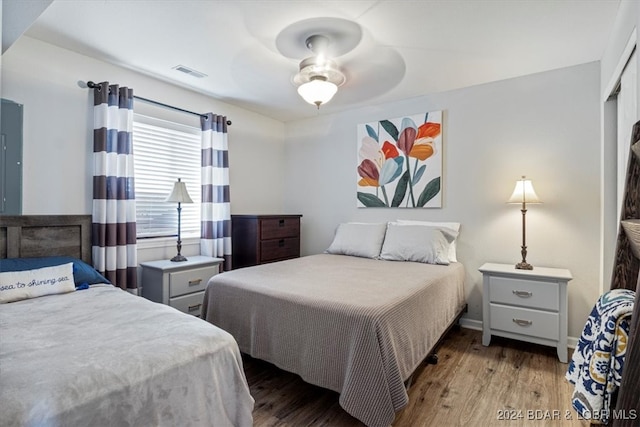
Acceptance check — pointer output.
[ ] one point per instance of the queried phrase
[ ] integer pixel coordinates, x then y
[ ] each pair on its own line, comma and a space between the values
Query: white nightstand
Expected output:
179, 284
527, 305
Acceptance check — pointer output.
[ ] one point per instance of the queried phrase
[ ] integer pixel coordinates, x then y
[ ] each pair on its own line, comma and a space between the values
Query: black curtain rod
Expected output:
92, 85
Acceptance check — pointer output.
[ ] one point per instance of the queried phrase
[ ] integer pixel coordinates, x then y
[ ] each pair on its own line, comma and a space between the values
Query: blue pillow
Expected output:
82, 272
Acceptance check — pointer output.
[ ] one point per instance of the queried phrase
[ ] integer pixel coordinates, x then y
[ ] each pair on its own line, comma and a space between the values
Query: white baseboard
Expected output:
476, 325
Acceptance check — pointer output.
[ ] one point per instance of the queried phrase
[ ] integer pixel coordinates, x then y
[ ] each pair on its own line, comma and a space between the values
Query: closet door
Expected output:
627, 107
10, 158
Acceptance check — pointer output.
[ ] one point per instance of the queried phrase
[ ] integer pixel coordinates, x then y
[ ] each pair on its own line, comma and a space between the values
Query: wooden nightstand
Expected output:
527, 305
179, 284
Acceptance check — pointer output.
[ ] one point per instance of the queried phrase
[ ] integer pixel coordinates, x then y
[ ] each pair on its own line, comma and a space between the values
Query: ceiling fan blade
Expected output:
371, 73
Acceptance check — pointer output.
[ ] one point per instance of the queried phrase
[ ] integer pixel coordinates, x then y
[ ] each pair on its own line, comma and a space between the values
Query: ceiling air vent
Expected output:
189, 71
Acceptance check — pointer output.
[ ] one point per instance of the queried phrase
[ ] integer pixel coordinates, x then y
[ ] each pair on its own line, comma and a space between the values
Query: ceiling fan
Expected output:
319, 76
365, 66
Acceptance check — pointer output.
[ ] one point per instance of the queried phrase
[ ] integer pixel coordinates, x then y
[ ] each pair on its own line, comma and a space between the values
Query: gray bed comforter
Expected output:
353, 325
103, 357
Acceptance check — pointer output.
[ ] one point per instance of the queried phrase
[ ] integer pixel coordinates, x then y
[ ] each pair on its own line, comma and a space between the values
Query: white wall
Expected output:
545, 126
18, 17
627, 18
58, 132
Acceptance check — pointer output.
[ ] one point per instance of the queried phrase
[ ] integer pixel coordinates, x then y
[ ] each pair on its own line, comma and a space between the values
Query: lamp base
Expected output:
178, 258
524, 266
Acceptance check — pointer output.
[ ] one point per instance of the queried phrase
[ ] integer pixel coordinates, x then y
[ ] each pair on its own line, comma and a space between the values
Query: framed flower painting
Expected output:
400, 162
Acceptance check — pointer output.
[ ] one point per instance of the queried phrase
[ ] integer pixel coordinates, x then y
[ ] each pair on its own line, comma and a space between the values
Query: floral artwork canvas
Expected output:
400, 162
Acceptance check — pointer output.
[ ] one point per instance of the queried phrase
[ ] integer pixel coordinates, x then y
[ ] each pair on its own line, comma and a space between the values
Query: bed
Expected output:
356, 325
102, 356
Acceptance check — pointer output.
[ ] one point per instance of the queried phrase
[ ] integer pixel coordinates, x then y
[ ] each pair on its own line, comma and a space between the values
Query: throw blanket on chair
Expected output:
597, 362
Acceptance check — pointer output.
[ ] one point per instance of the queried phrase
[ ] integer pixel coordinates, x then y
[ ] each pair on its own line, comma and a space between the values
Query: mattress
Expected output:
354, 325
104, 357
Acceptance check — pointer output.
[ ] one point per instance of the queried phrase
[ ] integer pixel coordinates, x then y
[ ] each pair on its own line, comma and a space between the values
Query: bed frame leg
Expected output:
432, 358
408, 382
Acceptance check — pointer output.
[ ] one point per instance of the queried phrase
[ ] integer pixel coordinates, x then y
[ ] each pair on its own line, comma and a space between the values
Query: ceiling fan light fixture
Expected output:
318, 90
319, 77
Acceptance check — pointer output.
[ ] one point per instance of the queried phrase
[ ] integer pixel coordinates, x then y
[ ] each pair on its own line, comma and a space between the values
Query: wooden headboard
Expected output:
29, 236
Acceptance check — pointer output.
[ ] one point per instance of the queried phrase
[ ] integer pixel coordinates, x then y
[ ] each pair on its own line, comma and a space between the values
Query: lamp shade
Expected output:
179, 193
317, 91
524, 192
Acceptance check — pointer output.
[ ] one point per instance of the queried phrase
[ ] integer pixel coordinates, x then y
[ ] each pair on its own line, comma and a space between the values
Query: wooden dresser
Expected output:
258, 239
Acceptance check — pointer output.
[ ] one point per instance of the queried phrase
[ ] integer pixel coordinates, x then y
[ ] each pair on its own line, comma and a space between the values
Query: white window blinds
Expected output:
163, 152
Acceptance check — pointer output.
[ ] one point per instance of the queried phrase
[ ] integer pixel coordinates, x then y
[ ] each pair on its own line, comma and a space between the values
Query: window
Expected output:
163, 152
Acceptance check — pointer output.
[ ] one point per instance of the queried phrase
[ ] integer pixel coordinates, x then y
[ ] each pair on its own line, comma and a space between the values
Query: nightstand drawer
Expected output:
279, 249
276, 228
523, 321
190, 304
189, 281
522, 292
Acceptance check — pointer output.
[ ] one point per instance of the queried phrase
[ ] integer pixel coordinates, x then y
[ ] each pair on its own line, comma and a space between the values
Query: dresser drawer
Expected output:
190, 304
524, 321
523, 292
189, 281
271, 250
276, 228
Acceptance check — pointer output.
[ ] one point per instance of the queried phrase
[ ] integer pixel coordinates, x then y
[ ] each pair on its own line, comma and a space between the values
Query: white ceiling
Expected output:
407, 48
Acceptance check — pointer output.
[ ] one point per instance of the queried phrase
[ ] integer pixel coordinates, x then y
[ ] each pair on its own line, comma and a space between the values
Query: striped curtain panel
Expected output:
114, 204
215, 209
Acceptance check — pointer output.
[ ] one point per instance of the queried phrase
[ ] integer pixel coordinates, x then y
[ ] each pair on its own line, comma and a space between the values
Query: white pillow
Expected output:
19, 285
455, 226
358, 239
417, 243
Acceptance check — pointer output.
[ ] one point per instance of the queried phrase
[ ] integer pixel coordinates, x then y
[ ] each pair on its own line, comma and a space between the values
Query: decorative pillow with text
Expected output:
19, 285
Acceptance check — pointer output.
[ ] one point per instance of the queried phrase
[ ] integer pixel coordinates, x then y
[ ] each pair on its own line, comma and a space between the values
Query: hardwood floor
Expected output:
509, 383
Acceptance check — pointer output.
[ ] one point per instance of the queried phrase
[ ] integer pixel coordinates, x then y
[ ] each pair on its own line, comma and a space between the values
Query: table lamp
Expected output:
179, 195
523, 194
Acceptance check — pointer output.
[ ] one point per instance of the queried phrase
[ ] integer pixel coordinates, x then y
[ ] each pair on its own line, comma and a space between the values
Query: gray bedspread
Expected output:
357, 326
104, 357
